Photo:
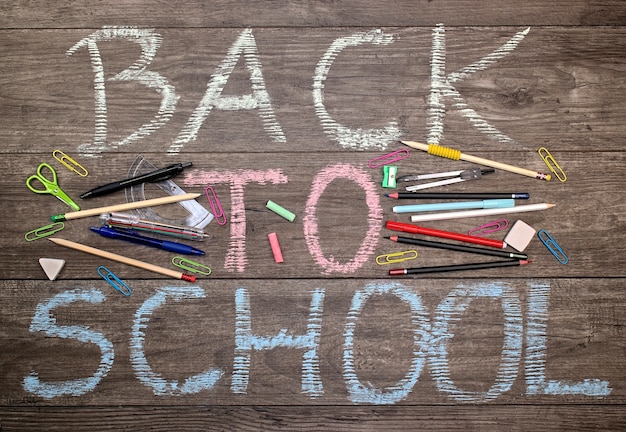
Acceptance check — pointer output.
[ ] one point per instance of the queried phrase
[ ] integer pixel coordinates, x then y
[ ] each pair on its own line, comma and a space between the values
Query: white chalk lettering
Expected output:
150, 43
357, 391
44, 321
359, 139
246, 341
536, 347
259, 98
449, 312
442, 86
160, 386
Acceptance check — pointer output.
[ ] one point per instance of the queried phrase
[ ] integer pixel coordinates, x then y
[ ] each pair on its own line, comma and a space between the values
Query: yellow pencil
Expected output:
453, 154
124, 207
125, 260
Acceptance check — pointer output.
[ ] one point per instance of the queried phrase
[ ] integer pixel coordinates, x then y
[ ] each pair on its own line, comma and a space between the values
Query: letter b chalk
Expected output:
280, 211
278, 255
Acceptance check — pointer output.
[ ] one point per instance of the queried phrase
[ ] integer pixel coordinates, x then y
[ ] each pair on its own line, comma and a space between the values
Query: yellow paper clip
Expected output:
396, 257
44, 231
191, 266
552, 246
70, 163
552, 164
113, 280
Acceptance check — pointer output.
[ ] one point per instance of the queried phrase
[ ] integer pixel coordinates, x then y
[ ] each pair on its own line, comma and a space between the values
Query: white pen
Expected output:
482, 212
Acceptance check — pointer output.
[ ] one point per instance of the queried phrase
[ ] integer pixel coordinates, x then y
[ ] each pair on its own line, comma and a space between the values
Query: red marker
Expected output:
416, 229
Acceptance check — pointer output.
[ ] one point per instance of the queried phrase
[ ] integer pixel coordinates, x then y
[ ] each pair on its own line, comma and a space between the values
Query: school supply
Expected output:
388, 158
489, 227
113, 280
457, 177
51, 266
483, 212
283, 212
275, 245
483, 204
216, 206
44, 231
396, 257
389, 176
119, 258
70, 163
150, 177
190, 265
552, 164
123, 207
416, 229
456, 247
49, 186
520, 235
458, 195
458, 267
125, 220
132, 236
554, 248
453, 154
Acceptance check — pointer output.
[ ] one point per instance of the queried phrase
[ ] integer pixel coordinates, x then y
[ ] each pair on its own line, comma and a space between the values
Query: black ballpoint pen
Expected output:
151, 177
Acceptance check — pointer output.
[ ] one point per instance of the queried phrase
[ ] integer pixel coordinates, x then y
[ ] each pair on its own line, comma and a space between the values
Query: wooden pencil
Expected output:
122, 259
124, 207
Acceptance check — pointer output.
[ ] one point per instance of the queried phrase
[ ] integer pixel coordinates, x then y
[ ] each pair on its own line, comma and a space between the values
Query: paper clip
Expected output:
552, 164
216, 206
489, 228
388, 158
192, 266
70, 163
44, 231
396, 257
112, 279
552, 246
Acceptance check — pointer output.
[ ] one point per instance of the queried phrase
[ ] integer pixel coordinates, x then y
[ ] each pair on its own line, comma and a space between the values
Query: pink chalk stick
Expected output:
278, 255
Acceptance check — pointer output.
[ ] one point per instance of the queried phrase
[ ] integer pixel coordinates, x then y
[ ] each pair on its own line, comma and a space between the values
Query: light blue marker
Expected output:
483, 204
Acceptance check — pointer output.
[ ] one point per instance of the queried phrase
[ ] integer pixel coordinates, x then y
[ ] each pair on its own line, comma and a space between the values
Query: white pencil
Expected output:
123, 207
482, 212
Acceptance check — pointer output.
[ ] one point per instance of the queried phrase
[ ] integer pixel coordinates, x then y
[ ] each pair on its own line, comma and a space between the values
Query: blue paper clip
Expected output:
114, 281
552, 246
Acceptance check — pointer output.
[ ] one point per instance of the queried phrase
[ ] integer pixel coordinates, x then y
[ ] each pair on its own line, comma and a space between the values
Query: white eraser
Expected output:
52, 267
520, 235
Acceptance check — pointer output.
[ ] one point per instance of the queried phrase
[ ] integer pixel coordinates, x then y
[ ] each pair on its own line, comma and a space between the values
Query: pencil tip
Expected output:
551, 205
387, 237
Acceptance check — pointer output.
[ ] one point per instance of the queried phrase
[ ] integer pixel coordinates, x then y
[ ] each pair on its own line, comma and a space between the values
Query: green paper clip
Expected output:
44, 231
389, 176
191, 266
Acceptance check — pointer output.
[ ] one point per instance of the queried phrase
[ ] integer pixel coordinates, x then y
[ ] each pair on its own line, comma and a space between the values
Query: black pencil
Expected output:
458, 195
460, 248
457, 267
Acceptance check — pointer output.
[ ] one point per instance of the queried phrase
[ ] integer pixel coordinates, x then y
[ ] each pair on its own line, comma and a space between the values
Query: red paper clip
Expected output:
489, 228
216, 206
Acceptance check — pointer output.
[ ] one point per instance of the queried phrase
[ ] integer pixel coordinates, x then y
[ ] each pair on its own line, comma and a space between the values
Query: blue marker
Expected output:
133, 237
483, 204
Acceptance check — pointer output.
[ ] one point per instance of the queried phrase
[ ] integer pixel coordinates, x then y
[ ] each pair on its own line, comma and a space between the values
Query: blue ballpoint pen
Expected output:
132, 236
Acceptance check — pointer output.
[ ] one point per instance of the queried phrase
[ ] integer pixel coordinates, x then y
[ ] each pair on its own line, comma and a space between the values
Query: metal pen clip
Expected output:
216, 206
396, 257
552, 246
489, 227
70, 163
112, 279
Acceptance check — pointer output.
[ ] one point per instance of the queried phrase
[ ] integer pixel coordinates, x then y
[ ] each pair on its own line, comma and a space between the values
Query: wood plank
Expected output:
319, 418
349, 234
83, 14
485, 342
571, 102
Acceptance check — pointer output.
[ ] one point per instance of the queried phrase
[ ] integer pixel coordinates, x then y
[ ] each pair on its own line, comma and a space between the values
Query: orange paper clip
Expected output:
216, 206
552, 164
396, 257
70, 163
489, 228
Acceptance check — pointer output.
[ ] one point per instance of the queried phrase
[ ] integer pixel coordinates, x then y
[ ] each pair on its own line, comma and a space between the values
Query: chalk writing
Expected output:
442, 85
44, 321
150, 43
429, 345
236, 259
374, 217
259, 99
420, 324
246, 341
160, 386
359, 139
536, 351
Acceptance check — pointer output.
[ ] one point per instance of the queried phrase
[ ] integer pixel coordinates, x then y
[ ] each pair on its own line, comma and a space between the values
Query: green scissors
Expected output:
49, 187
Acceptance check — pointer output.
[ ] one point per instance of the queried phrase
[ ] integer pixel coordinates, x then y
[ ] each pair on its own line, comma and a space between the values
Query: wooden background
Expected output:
561, 86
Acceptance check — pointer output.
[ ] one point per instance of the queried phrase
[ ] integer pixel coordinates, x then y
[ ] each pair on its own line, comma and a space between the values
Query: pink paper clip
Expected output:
489, 228
388, 158
216, 206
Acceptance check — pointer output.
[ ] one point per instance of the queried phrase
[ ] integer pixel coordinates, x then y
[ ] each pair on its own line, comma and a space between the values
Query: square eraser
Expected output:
520, 235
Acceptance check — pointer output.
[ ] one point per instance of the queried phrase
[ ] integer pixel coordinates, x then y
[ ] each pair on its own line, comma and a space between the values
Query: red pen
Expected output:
416, 229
